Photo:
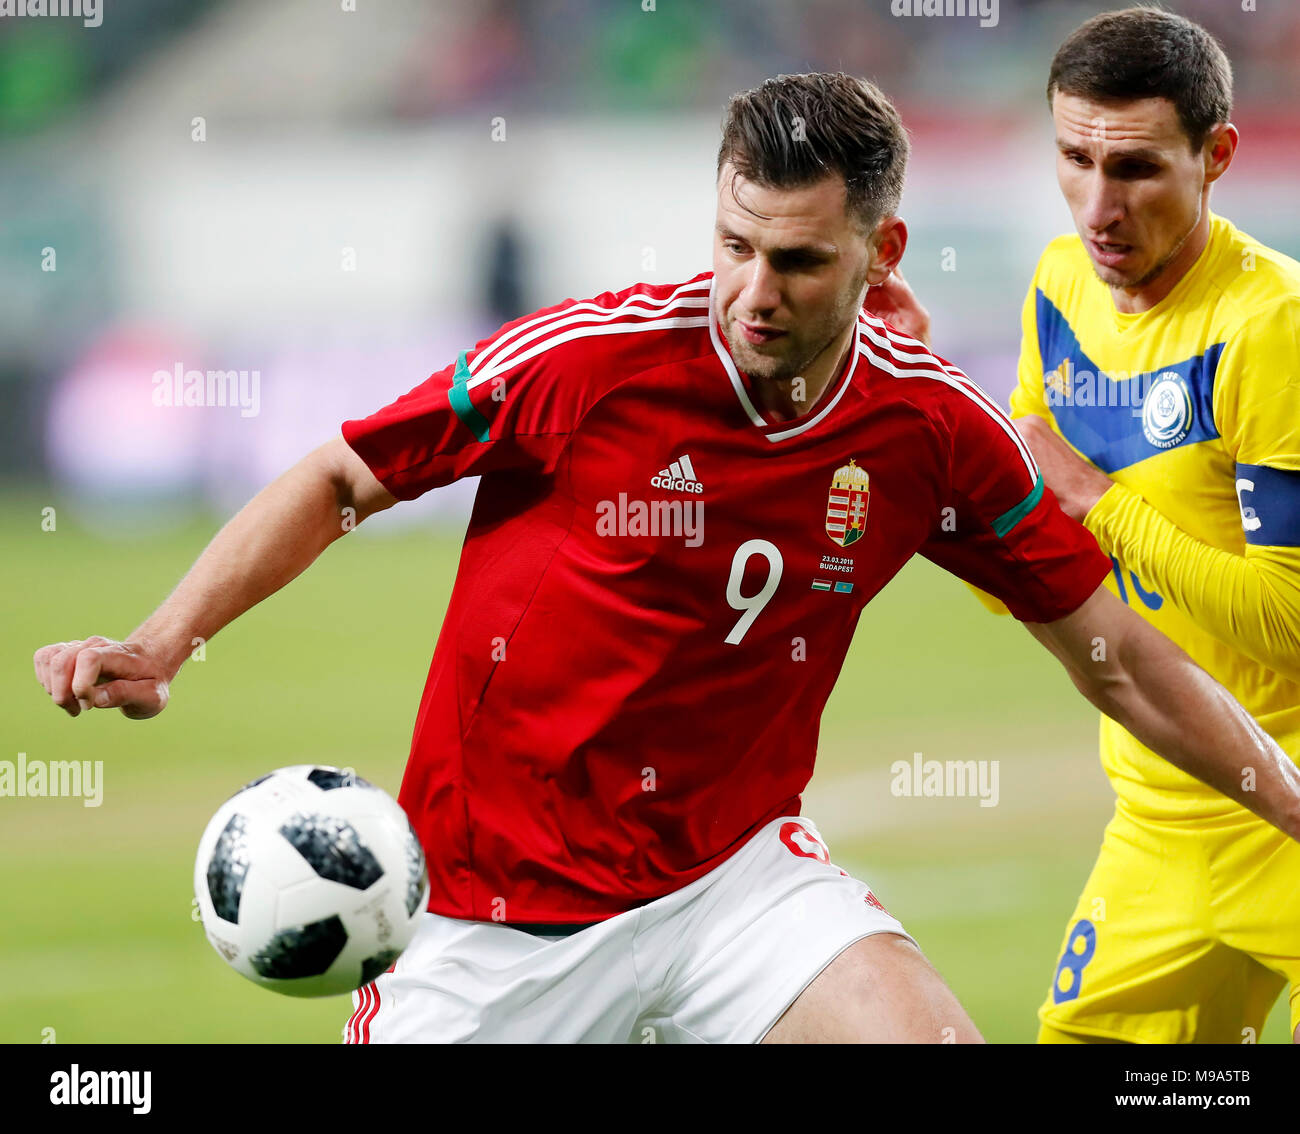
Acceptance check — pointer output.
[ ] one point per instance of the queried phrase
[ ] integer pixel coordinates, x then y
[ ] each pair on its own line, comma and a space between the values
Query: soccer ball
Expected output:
310, 881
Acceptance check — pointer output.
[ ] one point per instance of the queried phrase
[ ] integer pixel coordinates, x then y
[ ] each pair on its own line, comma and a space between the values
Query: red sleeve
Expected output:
509, 403
1002, 529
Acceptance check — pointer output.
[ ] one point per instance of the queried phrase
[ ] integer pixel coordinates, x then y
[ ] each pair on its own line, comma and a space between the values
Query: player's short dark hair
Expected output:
1147, 53
794, 130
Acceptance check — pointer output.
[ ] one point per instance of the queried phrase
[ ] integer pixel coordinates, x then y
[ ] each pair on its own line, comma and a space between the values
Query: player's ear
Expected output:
888, 243
1220, 147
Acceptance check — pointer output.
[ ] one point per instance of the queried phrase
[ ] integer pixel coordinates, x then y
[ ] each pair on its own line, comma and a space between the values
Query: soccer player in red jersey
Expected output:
688, 494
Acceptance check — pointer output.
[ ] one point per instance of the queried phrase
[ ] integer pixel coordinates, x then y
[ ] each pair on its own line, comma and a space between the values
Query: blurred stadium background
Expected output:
340, 201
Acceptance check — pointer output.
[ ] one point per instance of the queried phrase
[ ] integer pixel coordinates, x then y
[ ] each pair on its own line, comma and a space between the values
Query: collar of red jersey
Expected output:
779, 431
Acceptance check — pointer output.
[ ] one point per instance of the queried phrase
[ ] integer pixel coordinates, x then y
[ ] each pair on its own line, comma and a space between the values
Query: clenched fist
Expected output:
103, 674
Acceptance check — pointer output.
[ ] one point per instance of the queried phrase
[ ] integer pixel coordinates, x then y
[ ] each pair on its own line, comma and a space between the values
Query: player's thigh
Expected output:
879, 990
728, 956
1256, 871
1141, 961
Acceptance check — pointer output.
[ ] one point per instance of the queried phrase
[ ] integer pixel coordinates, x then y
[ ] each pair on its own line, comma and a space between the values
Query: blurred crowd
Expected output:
125, 248
557, 56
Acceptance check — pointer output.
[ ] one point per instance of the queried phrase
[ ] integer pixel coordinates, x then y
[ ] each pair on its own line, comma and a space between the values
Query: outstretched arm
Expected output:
1138, 677
274, 538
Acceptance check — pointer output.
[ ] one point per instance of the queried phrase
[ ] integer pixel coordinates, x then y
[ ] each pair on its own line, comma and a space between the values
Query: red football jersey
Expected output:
658, 585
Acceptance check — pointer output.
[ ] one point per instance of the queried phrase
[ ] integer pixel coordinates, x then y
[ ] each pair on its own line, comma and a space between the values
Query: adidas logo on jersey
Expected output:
679, 477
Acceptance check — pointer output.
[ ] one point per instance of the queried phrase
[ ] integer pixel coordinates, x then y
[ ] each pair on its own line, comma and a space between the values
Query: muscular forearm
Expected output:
1138, 677
272, 540
1247, 603
1178, 710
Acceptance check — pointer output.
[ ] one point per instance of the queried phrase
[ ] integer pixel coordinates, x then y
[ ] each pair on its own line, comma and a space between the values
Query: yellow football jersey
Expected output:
1193, 409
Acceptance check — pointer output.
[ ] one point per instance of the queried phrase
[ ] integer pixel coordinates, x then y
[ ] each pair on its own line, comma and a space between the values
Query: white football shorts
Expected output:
718, 961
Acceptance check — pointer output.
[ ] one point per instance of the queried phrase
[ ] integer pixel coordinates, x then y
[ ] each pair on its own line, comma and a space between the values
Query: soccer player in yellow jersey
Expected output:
1159, 387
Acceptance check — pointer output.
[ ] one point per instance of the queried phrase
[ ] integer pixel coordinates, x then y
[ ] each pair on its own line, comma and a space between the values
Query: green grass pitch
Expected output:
99, 943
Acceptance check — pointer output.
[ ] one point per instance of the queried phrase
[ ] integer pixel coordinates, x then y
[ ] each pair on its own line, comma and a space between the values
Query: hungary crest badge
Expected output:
846, 507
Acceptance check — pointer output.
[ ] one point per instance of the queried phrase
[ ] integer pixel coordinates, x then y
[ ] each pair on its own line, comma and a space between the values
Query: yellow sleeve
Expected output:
1252, 601
1028, 397
1257, 389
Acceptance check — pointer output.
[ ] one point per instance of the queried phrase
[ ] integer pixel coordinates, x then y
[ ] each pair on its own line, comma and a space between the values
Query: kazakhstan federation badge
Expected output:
846, 507
1167, 411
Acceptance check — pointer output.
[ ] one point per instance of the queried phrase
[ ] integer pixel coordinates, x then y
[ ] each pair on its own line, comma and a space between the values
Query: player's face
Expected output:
1135, 187
790, 268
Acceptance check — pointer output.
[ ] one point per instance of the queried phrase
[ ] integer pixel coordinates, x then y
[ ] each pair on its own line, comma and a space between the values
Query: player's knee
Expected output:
882, 990
920, 1007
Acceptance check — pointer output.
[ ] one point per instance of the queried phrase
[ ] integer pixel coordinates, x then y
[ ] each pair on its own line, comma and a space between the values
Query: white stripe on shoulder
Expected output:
541, 325
915, 349
931, 369
874, 331
548, 333
604, 328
